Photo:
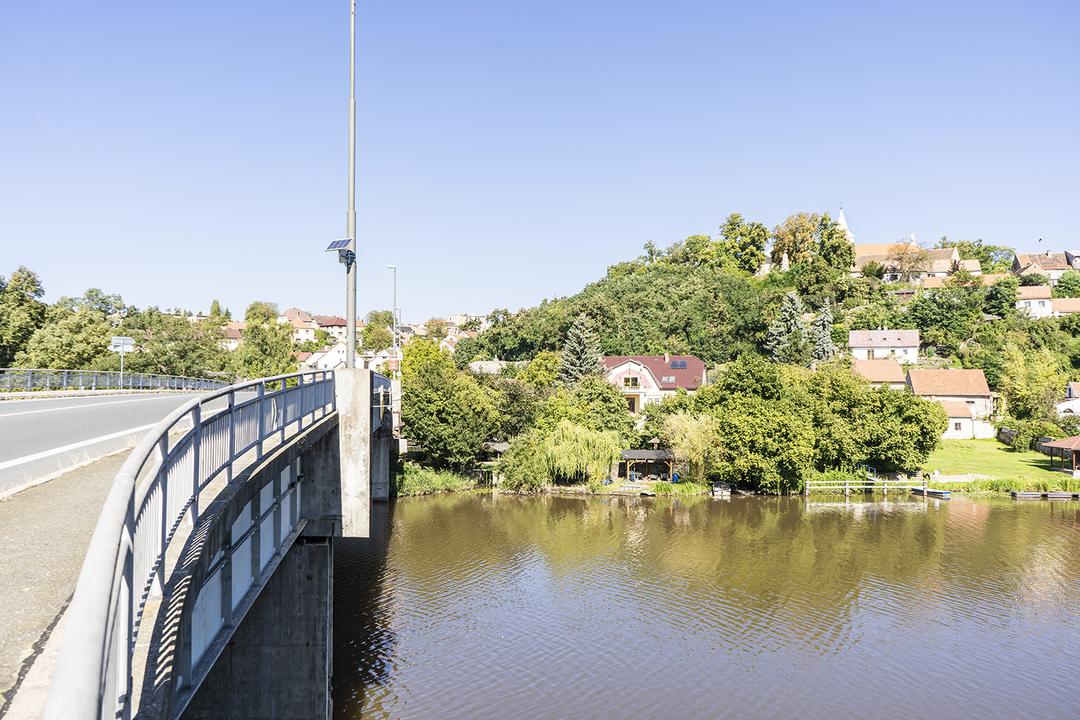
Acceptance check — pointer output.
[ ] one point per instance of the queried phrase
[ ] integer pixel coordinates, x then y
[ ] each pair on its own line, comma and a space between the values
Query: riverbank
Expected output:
992, 467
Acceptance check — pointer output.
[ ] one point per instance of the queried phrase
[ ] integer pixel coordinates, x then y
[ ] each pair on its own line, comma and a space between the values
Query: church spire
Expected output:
841, 220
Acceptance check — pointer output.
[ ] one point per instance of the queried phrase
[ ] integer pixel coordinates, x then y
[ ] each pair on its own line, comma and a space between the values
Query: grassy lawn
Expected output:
1006, 469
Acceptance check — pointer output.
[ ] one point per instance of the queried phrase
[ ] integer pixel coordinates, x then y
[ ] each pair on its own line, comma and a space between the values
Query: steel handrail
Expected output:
47, 379
93, 677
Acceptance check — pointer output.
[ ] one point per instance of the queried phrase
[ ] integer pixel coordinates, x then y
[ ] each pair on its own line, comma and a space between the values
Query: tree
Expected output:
1068, 286
443, 409
744, 242
267, 347
437, 329
794, 237
69, 339
908, 259
873, 269
768, 445
172, 345
580, 354
543, 370
992, 258
593, 403
787, 340
1034, 280
261, 311
21, 312
1001, 297
693, 440
1032, 382
821, 334
833, 245
376, 337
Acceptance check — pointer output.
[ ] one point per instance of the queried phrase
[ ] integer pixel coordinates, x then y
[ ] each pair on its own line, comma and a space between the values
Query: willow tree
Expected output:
693, 440
576, 453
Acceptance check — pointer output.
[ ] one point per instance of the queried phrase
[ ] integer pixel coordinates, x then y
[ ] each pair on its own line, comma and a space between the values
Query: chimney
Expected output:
667, 357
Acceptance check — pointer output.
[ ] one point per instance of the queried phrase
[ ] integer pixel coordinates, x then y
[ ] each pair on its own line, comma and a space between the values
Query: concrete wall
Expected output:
277, 664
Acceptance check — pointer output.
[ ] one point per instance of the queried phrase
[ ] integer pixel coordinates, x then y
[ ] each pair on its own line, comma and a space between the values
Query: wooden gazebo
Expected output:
647, 462
1065, 448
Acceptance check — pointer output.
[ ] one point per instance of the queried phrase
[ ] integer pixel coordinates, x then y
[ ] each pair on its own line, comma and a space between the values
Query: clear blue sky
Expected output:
510, 151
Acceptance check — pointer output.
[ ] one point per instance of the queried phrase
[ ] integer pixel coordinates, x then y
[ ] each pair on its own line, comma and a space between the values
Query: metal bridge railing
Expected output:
158, 485
34, 379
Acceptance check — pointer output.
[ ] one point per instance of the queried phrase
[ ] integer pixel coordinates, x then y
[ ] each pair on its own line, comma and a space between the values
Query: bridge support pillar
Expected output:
278, 663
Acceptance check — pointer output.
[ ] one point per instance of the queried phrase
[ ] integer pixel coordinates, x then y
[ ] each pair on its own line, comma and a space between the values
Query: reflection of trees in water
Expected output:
363, 637
775, 570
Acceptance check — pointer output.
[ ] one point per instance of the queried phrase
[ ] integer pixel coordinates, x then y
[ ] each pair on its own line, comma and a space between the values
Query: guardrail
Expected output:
127, 556
35, 379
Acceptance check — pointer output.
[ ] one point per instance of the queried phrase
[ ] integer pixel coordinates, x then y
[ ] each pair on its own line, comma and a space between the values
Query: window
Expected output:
668, 379
630, 382
956, 427
678, 364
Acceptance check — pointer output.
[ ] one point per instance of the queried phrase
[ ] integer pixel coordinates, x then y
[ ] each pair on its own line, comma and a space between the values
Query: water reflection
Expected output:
512, 607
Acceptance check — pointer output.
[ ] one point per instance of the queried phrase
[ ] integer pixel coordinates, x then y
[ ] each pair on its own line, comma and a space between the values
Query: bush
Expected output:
419, 480
1028, 431
663, 487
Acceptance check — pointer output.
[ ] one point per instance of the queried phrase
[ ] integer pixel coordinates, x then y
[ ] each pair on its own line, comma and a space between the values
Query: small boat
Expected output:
932, 492
721, 490
1026, 494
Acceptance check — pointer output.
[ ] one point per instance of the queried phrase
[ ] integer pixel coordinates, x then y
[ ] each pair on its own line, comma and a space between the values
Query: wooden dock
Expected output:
1040, 495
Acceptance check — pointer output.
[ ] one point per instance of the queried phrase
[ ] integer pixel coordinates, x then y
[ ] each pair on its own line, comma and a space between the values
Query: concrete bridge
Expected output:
207, 584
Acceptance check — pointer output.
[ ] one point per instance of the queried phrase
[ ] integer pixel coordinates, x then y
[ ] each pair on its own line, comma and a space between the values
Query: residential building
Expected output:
953, 388
232, 335
1065, 306
648, 379
331, 358
1052, 265
1035, 300
1071, 404
884, 372
302, 330
985, 280
901, 345
922, 264
336, 326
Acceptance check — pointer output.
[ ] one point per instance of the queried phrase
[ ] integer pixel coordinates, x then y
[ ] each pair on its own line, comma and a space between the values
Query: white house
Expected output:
1071, 404
329, 359
232, 335
965, 396
900, 345
885, 372
1035, 301
332, 324
1065, 306
648, 379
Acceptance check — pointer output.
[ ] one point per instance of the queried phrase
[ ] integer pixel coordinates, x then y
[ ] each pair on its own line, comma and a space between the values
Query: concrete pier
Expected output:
277, 664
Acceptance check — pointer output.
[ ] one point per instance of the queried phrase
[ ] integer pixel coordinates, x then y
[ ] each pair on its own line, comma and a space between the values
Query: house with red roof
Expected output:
648, 379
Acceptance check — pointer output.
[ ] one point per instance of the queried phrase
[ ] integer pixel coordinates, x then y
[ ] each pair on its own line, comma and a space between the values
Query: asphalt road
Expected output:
31, 427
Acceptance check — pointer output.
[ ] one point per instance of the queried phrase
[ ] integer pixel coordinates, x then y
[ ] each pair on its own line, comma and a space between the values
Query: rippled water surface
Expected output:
474, 606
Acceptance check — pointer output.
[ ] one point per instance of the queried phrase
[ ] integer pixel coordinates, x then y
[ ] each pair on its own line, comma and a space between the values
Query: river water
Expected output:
477, 606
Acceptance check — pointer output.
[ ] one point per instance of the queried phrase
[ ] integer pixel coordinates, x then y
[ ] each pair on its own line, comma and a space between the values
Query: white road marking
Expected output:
73, 446
81, 406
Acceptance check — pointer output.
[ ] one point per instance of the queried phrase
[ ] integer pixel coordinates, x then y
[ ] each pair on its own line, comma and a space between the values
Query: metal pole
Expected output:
350, 214
121, 367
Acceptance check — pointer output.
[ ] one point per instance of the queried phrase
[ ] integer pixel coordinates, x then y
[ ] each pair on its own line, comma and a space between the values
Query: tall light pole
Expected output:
393, 312
350, 214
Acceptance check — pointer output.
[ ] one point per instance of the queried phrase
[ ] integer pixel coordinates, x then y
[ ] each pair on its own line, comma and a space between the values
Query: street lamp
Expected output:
394, 312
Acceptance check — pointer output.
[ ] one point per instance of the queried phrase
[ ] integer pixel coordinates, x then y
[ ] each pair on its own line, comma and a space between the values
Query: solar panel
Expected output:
339, 244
